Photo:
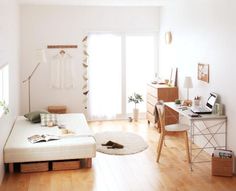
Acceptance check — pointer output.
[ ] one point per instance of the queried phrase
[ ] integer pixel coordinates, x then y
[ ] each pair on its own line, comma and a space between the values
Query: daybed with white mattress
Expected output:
80, 145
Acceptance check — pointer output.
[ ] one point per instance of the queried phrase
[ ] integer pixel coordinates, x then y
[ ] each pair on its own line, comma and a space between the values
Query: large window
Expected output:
140, 65
104, 76
119, 65
4, 86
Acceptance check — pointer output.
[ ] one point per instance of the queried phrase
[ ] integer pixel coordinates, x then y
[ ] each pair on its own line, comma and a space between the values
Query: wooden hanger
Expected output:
61, 46
62, 52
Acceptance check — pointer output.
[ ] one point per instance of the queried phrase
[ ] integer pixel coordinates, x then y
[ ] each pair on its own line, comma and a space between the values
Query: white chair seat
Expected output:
177, 127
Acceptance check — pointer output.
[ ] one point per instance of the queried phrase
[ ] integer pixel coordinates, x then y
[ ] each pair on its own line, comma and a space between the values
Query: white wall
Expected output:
9, 37
203, 31
43, 25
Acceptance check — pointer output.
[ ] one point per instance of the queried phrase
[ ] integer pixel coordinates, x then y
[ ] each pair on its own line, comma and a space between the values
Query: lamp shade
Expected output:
188, 82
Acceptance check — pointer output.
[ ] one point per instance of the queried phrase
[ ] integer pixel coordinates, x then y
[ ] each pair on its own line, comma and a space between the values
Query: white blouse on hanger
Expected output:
62, 71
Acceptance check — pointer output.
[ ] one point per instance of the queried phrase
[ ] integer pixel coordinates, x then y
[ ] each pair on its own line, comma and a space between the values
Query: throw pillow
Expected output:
48, 119
34, 116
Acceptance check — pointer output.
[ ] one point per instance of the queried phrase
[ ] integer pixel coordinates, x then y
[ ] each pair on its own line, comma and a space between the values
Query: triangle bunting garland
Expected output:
85, 65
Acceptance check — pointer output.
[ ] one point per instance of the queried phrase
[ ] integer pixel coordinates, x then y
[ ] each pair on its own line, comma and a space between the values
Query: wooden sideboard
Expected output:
156, 92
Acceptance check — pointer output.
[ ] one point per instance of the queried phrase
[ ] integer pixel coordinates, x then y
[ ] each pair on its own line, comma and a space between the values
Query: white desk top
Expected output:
185, 111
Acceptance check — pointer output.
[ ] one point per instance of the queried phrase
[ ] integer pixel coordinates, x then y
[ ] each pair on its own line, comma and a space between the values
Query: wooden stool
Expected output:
57, 109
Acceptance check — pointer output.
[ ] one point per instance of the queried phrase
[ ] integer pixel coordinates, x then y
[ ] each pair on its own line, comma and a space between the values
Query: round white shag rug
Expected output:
132, 142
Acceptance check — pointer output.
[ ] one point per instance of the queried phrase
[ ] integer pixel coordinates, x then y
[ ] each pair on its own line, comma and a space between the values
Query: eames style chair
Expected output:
165, 129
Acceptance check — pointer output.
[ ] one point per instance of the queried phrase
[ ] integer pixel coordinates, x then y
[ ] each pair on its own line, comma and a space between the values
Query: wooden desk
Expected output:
211, 128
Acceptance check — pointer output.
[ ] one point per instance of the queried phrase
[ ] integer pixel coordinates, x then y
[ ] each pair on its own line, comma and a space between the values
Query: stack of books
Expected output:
222, 153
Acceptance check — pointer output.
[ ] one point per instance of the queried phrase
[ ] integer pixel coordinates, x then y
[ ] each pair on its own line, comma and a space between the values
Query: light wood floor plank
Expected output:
137, 172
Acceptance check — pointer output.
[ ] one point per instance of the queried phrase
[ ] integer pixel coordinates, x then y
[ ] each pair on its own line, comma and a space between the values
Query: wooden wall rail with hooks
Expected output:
62, 46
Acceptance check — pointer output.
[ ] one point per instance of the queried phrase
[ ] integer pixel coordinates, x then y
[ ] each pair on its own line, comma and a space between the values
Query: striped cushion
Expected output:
48, 118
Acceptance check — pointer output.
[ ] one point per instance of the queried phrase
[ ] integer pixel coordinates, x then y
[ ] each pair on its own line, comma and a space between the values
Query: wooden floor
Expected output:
138, 172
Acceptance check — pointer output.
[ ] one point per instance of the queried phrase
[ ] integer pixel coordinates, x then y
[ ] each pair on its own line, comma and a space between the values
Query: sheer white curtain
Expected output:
141, 58
104, 73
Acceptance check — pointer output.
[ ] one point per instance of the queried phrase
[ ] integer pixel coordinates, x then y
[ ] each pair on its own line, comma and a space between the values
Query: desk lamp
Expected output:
188, 84
41, 58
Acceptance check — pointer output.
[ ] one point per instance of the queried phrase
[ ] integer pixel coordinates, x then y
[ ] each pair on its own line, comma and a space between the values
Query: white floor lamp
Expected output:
41, 58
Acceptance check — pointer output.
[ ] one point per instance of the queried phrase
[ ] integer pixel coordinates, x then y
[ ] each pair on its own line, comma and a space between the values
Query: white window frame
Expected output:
4, 86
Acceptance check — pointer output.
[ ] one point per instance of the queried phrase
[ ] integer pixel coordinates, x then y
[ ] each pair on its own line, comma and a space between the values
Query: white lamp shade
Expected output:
188, 82
40, 56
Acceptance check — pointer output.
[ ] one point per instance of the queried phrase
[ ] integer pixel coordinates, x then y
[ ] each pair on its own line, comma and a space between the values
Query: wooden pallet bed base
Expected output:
51, 165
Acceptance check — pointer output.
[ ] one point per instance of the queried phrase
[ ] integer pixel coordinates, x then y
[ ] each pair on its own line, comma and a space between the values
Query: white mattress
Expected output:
79, 145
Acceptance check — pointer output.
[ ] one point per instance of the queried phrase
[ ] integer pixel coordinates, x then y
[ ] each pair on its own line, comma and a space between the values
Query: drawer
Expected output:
150, 108
34, 167
151, 100
150, 118
168, 94
66, 165
152, 91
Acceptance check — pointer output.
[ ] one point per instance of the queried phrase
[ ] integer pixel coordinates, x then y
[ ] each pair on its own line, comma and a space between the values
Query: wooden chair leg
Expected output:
187, 146
160, 144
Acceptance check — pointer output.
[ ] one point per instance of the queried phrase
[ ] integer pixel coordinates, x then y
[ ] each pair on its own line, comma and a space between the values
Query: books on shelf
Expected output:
42, 138
222, 153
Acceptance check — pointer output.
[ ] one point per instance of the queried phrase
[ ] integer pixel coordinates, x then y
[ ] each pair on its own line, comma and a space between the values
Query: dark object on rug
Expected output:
113, 145
132, 143
109, 143
116, 146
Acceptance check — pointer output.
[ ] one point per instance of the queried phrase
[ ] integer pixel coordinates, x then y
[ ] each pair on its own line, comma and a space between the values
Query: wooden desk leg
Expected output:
11, 167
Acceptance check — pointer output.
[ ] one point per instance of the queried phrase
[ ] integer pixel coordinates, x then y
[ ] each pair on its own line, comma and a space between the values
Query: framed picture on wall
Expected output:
203, 72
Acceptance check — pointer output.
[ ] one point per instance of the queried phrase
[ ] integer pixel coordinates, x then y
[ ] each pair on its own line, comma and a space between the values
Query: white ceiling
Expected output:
98, 2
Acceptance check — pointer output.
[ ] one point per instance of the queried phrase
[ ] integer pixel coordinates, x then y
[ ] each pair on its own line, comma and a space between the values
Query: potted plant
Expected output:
4, 107
136, 98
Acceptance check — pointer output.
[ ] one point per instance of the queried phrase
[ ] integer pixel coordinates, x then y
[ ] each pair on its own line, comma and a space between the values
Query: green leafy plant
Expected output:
4, 107
136, 98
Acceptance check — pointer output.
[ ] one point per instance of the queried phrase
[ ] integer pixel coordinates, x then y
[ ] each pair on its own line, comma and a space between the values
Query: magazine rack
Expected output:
222, 166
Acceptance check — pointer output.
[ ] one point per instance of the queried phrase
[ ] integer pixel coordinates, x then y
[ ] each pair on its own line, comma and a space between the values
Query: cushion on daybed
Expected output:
34, 116
45, 118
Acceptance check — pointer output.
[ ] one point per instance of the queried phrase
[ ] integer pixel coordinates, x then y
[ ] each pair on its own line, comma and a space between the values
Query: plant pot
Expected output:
130, 119
135, 114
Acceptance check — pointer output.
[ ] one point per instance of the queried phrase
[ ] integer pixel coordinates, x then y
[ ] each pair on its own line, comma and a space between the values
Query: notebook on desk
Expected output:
207, 109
